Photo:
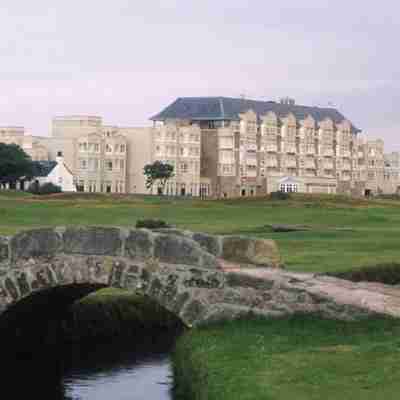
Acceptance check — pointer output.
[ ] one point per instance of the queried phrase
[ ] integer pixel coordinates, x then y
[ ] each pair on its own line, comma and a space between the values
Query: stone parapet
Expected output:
167, 245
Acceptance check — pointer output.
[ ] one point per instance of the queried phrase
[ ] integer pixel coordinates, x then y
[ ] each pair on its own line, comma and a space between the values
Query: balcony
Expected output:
328, 153
272, 163
328, 165
346, 154
346, 167
290, 149
291, 164
310, 165
251, 161
310, 151
271, 148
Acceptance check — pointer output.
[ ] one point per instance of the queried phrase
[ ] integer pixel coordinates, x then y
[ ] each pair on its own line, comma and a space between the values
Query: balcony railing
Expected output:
290, 149
346, 153
291, 164
251, 161
272, 148
346, 167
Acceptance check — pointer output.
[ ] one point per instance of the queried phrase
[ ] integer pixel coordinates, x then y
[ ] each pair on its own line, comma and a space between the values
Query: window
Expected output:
289, 187
226, 142
82, 164
108, 148
122, 148
81, 186
83, 147
227, 169
109, 165
184, 167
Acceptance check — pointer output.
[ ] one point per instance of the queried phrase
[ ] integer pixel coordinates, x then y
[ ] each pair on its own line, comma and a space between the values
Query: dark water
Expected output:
114, 370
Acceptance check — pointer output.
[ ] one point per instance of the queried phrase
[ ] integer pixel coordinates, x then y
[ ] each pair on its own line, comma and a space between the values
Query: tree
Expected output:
14, 164
158, 171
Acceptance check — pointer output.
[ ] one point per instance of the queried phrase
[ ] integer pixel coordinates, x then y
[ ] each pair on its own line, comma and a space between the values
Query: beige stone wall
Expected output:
30, 144
74, 126
179, 144
139, 145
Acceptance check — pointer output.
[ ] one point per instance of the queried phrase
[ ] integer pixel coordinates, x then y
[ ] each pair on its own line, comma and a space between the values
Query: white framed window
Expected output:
289, 187
184, 167
83, 164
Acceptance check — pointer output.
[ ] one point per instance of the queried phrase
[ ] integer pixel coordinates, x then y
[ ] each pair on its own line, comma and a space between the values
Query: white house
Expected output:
56, 172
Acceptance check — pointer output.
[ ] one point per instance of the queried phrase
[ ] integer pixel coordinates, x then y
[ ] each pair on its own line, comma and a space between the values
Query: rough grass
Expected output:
113, 312
301, 358
345, 233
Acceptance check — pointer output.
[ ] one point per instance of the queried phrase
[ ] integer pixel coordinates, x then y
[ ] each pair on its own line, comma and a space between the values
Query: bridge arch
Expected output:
198, 277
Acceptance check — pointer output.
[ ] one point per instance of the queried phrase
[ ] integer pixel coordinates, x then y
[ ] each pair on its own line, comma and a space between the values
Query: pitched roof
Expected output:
43, 168
226, 108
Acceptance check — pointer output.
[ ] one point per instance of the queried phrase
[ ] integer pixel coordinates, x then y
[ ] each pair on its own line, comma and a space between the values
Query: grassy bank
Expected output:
343, 233
301, 358
111, 313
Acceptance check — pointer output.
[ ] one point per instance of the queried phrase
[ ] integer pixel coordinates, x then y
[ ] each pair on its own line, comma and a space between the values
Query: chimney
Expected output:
59, 158
287, 101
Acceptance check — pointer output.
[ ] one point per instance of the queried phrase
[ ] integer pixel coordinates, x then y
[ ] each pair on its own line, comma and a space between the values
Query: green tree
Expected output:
14, 164
158, 171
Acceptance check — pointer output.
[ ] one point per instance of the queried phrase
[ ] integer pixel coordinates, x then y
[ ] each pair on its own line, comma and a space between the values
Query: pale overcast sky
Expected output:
126, 60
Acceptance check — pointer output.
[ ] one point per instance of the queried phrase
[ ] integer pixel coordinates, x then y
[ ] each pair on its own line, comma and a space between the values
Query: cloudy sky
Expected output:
125, 60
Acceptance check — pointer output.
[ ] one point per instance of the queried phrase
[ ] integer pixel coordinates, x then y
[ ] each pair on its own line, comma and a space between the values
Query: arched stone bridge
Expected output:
199, 277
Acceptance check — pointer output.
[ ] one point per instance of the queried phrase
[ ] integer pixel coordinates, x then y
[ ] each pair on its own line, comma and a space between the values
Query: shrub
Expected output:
151, 224
279, 196
46, 188
383, 273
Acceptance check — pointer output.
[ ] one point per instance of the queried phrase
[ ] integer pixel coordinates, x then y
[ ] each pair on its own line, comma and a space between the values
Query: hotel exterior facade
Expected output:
221, 147
251, 148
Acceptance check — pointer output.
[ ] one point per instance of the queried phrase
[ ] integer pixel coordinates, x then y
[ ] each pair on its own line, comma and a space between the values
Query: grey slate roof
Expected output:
227, 108
43, 168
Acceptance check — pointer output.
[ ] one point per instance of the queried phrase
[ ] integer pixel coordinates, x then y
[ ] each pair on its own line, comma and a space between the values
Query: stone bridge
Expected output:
199, 277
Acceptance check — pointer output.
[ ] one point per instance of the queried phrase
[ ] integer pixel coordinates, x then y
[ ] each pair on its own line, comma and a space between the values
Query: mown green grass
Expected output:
301, 358
345, 233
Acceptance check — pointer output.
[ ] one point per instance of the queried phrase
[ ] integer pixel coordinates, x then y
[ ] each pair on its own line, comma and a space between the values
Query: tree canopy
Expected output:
14, 163
158, 171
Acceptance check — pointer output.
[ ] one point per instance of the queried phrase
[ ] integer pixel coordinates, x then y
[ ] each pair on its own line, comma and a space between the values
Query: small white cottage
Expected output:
56, 172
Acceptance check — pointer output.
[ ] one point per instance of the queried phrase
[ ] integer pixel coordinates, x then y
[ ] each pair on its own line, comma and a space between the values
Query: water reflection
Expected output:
128, 371
114, 370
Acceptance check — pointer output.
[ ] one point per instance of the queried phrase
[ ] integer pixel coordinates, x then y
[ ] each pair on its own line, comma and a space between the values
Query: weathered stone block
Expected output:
3, 248
139, 243
177, 250
236, 279
173, 231
210, 243
93, 241
35, 243
243, 250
